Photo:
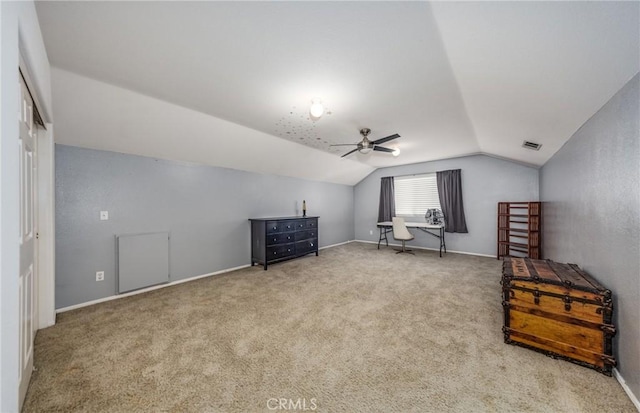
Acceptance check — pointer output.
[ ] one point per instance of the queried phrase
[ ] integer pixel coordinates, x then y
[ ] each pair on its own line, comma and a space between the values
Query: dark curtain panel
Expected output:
387, 208
450, 194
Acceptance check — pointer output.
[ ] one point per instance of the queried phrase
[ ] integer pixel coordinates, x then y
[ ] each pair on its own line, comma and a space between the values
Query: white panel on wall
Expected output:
143, 260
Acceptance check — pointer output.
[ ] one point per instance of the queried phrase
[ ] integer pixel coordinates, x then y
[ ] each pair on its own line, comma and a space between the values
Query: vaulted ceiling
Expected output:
452, 78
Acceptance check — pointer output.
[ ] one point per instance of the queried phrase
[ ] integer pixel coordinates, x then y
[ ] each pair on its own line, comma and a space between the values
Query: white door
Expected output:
28, 248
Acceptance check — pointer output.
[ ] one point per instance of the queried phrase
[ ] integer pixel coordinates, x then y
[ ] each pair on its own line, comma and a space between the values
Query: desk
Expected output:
387, 226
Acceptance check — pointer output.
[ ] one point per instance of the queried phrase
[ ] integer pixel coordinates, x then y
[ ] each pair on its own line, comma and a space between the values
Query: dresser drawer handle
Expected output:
275, 239
274, 253
312, 244
289, 250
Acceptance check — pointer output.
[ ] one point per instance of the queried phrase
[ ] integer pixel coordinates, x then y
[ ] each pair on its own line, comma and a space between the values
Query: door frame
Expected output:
45, 214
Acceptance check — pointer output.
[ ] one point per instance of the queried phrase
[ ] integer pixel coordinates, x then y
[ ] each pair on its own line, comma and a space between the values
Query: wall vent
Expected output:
531, 145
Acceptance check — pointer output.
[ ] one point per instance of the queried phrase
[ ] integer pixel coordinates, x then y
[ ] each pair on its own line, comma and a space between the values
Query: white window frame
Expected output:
414, 194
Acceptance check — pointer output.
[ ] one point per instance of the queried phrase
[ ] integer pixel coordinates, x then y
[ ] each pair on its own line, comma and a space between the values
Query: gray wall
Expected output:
204, 208
590, 188
485, 182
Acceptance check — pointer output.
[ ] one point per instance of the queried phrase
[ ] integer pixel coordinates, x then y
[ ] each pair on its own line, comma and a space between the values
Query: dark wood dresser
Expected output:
282, 238
559, 310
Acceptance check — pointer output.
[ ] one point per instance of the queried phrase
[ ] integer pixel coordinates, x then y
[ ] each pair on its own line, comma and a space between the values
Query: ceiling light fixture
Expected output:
396, 152
316, 110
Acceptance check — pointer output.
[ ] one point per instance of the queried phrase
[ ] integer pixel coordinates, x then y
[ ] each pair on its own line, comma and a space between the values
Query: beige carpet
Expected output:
353, 330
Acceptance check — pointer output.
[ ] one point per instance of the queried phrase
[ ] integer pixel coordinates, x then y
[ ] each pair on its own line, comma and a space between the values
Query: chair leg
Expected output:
404, 249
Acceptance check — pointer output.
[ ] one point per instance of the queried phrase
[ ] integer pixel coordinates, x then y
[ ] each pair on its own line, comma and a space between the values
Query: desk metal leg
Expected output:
383, 235
439, 235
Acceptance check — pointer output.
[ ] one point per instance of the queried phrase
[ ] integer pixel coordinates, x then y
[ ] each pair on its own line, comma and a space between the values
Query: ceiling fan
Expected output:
365, 145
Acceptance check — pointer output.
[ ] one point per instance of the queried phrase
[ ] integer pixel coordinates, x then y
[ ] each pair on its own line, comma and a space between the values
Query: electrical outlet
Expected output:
104, 215
99, 275
370, 232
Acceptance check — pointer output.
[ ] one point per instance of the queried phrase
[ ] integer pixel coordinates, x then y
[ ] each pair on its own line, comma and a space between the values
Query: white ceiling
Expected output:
451, 78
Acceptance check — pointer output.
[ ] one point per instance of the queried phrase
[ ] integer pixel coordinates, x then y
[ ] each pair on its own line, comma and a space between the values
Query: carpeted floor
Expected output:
353, 330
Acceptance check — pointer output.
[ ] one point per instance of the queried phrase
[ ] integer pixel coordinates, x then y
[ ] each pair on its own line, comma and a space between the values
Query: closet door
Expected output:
27, 237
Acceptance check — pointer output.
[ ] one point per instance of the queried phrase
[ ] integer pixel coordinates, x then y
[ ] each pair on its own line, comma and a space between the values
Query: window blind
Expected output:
415, 194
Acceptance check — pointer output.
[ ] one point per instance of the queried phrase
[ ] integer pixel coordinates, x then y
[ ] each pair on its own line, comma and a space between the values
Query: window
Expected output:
415, 194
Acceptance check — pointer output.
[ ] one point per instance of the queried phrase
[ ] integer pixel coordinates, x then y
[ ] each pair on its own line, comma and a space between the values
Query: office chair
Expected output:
401, 233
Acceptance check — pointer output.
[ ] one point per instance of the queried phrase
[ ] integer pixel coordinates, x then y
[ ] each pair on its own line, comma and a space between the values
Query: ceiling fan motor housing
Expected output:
365, 145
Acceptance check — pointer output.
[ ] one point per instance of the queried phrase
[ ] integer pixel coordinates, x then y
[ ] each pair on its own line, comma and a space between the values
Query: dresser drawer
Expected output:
301, 235
274, 227
302, 224
281, 238
306, 246
279, 251
312, 223
288, 226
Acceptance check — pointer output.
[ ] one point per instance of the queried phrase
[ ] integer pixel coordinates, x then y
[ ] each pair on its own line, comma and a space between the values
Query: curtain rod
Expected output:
402, 176
422, 173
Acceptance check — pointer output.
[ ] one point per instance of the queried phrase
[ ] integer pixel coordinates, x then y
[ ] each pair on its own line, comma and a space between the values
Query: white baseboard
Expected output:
626, 388
145, 290
335, 245
429, 249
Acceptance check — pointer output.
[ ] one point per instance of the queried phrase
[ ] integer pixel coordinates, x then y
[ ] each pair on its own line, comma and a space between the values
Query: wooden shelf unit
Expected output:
519, 229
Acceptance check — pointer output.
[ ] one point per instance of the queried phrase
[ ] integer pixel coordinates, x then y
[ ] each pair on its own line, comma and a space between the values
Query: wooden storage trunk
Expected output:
559, 310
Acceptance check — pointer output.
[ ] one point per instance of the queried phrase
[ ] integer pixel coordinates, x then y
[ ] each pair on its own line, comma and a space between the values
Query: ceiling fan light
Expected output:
316, 110
365, 150
396, 152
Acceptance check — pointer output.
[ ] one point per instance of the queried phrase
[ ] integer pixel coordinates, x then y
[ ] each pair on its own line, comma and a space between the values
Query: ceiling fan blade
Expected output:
344, 144
382, 149
387, 139
349, 153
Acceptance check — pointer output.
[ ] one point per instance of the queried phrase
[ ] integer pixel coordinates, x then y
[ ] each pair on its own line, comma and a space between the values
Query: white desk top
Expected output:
412, 225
